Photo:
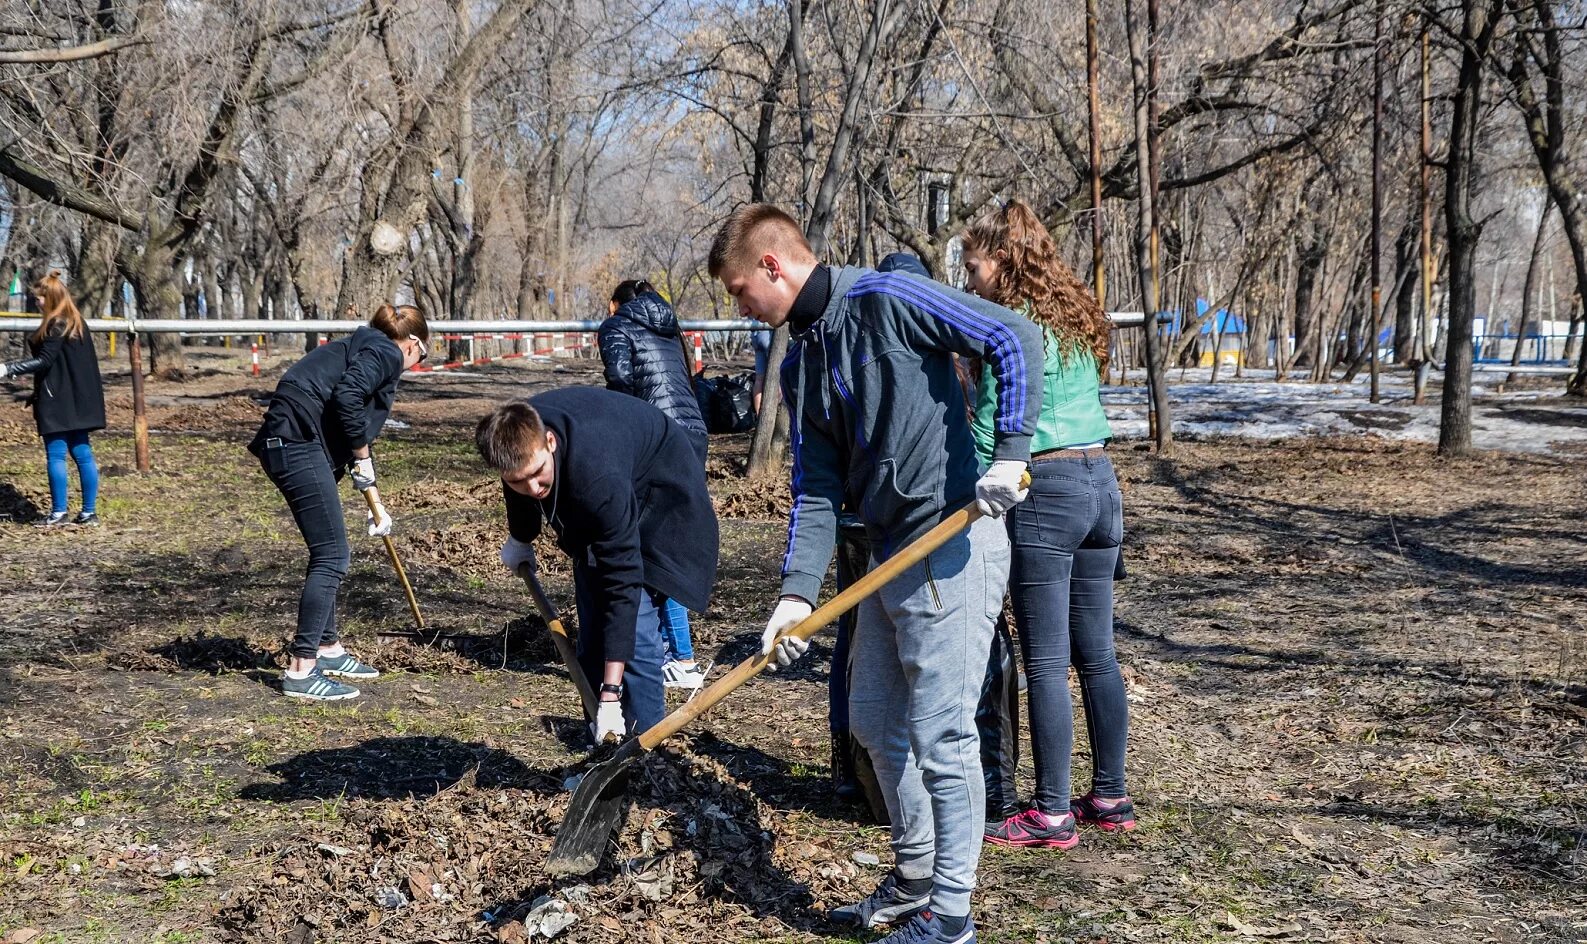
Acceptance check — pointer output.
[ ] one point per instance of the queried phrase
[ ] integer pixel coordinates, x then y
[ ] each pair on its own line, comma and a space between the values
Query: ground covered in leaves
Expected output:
1357, 676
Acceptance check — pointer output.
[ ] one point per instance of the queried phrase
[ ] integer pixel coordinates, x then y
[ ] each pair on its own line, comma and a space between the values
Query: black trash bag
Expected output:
704, 390
732, 405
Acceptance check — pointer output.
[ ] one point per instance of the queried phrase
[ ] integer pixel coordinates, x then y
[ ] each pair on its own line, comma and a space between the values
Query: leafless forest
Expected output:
1290, 161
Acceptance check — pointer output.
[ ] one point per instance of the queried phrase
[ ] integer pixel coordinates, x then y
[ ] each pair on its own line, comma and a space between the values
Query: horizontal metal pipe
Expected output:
238, 326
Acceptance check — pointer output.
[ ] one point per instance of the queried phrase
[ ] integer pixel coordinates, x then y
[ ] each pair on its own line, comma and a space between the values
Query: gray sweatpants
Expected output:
920, 651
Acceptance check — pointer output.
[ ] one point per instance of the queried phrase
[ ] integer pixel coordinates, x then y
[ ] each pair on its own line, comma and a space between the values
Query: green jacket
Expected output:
1071, 403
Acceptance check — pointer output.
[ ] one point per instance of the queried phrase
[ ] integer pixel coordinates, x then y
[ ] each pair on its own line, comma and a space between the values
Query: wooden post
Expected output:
140, 418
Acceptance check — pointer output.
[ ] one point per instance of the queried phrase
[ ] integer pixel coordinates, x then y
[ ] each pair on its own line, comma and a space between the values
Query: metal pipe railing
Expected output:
237, 326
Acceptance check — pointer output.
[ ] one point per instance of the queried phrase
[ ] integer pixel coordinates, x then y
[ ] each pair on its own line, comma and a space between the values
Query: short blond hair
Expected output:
753, 230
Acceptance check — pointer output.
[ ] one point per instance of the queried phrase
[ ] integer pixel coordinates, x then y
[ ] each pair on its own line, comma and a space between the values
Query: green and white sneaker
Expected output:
345, 666
316, 688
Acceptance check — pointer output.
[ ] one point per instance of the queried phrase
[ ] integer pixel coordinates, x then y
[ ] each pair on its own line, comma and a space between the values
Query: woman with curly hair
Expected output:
1065, 537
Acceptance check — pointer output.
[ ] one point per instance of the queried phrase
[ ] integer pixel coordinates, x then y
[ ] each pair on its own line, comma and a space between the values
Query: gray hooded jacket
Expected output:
879, 424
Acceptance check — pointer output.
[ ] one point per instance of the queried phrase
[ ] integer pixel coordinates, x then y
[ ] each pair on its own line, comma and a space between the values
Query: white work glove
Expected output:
5, 371
363, 473
787, 615
999, 489
516, 553
379, 522
609, 723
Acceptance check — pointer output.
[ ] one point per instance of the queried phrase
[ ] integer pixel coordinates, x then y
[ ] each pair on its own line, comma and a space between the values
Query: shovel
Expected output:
373, 498
564, 643
598, 802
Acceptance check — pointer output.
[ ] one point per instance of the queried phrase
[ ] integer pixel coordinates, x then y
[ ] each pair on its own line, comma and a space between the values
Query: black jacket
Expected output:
628, 501
644, 358
338, 394
68, 396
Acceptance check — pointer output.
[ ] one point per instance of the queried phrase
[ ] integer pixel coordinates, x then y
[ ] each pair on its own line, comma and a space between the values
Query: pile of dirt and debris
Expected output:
201, 653
431, 494
767, 497
223, 414
467, 863
476, 552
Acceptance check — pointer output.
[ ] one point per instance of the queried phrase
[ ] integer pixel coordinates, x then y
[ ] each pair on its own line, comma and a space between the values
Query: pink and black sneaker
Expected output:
1034, 829
1119, 818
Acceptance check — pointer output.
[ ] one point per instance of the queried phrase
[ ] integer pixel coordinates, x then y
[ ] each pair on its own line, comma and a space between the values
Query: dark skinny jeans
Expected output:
1066, 539
303, 474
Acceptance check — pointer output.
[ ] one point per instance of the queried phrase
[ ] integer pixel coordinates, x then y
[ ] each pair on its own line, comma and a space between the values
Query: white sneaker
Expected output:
682, 675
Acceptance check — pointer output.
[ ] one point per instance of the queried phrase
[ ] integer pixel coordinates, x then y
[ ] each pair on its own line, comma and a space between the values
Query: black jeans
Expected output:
303, 474
1066, 539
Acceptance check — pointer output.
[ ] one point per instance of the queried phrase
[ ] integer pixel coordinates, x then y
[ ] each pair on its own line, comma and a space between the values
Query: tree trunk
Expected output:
1530, 288
1479, 22
156, 285
397, 200
1143, 75
1405, 263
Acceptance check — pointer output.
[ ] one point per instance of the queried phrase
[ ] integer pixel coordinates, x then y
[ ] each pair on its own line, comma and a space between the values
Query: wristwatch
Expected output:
608, 688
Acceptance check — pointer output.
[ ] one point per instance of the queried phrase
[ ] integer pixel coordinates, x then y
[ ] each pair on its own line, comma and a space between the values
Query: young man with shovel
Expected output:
620, 485
878, 419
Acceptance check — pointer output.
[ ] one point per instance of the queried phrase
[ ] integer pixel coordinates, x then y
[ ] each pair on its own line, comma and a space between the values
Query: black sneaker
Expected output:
887, 905
56, 519
316, 688
87, 519
1119, 818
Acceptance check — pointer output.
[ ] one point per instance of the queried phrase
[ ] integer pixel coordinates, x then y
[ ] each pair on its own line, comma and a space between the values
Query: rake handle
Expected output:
562, 639
372, 497
827, 614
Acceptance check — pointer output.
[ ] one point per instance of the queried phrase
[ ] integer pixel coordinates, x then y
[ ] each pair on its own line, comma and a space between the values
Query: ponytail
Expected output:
399, 322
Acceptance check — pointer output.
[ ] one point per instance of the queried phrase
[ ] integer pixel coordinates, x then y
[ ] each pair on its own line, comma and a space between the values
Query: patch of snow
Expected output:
1264, 409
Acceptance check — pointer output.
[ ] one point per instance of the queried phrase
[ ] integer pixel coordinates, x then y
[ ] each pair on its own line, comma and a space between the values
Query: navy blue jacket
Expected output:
643, 357
628, 501
338, 394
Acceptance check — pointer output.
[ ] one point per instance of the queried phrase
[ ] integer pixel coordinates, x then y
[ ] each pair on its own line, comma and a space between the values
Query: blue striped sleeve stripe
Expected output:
795, 441
1005, 346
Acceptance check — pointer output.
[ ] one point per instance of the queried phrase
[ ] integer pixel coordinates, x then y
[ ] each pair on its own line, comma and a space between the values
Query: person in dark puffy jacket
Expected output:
642, 350
68, 398
322, 418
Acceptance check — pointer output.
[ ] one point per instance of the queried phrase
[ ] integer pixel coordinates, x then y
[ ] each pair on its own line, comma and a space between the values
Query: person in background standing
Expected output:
68, 397
642, 351
1066, 536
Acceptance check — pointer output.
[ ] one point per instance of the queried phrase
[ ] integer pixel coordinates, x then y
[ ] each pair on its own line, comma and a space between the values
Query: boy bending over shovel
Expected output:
621, 486
878, 419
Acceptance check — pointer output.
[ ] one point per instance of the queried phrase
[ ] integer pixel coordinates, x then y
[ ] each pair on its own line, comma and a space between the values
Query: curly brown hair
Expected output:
1031, 271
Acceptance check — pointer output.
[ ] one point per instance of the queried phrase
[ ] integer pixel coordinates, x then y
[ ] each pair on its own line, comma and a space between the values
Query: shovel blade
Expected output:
597, 809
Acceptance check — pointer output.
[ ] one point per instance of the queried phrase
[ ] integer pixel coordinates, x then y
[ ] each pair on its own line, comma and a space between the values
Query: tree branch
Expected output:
104, 47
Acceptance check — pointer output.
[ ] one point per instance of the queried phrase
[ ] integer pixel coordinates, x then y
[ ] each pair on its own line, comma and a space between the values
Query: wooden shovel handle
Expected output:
372, 497
829, 612
562, 640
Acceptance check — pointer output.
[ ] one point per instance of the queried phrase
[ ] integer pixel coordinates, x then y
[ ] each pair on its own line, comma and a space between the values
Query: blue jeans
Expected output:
56, 446
675, 630
1066, 539
644, 698
303, 474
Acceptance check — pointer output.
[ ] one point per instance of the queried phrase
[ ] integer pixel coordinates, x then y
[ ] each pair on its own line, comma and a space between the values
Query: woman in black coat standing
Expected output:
325, 413
642, 350
68, 398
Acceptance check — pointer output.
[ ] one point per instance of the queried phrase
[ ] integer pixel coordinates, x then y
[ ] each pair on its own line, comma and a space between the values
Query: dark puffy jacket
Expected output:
644, 358
67, 394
